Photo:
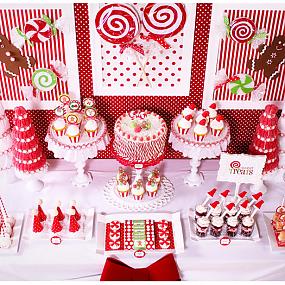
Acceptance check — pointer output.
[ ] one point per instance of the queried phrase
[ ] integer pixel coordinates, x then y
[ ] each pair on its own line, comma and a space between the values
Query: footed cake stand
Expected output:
210, 147
78, 153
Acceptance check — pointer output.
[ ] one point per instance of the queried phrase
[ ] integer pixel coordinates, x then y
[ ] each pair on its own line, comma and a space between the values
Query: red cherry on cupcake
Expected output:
213, 106
205, 114
189, 117
138, 129
220, 118
203, 122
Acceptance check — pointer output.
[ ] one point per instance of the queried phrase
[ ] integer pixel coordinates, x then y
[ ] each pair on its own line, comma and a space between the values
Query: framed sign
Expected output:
241, 168
160, 71
246, 53
48, 31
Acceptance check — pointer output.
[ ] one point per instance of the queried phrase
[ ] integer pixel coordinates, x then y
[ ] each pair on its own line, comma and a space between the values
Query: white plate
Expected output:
101, 221
270, 232
16, 235
192, 224
85, 234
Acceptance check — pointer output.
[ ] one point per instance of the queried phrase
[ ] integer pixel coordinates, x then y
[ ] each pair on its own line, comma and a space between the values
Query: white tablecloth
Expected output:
40, 260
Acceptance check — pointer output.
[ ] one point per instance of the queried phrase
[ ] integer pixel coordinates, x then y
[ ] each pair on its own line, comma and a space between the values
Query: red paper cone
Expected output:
60, 215
56, 225
37, 226
41, 214
77, 215
73, 224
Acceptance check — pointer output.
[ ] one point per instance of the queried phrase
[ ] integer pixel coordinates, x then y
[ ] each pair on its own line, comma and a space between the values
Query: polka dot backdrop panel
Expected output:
242, 122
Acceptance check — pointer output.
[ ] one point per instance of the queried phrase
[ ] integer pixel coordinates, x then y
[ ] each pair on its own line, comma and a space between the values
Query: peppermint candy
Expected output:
162, 225
242, 86
242, 30
164, 243
114, 244
44, 79
115, 225
38, 30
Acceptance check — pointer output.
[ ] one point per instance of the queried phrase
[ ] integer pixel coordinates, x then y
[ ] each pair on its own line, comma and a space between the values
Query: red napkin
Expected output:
165, 269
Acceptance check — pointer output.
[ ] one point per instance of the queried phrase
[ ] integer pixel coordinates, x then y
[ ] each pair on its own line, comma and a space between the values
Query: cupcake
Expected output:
216, 226
138, 190
151, 187
217, 125
202, 226
91, 128
59, 126
184, 124
122, 175
123, 188
189, 110
244, 212
247, 226
212, 109
73, 132
200, 130
202, 116
154, 175
200, 211
232, 226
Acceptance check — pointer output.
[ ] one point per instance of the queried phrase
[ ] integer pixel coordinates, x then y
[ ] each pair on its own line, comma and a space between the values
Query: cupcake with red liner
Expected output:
91, 128
151, 187
59, 126
212, 109
138, 189
123, 188
217, 125
200, 130
203, 116
73, 132
189, 110
154, 175
184, 124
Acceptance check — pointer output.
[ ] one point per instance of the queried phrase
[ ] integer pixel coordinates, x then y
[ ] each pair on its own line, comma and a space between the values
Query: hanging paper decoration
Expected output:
243, 85
119, 24
163, 21
37, 30
44, 79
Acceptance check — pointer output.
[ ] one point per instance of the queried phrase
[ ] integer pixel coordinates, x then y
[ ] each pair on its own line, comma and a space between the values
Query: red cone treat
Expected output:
73, 224
37, 226
41, 214
56, 225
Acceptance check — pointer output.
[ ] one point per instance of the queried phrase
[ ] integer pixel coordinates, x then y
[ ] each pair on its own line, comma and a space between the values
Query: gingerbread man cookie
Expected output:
271, 57
13, 59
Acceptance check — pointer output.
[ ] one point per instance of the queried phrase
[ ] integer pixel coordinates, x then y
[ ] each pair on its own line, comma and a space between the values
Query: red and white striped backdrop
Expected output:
42, 52
234, 56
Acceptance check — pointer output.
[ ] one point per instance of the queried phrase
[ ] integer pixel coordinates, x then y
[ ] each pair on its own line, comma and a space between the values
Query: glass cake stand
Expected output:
210, 147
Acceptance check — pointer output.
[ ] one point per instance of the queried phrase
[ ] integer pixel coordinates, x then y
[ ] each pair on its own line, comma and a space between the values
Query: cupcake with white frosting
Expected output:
247, 226
212, 109
91, 128
123, 188
203, 116
217, 125
200, 131
189, 110
73, 132
184, 124
138, 189
151, 187
59, 126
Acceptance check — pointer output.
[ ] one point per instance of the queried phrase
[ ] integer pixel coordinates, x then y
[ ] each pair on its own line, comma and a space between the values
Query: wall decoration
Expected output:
150, 61
251, 47
41, 32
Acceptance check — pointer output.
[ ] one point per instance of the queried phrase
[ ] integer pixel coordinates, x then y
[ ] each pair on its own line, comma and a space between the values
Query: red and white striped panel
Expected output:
42, 52
234, 56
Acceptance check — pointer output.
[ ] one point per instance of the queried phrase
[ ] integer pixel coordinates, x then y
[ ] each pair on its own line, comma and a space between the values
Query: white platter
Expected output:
100, 229
270, 233
164, 195
85, 234
192, 224
17, 230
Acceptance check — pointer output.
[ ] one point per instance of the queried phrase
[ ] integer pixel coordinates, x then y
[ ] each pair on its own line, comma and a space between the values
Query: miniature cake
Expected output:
140, 136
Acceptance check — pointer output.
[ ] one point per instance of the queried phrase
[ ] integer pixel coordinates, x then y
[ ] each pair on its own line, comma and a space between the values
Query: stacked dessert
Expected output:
278, 223
140, 138
232, 217
73, 120
203, 122
137, 189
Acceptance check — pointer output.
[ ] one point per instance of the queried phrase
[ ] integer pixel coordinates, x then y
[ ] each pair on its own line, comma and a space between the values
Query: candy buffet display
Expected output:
60, 222
10, 230
76, 135
231, 216
156, 232
199, 135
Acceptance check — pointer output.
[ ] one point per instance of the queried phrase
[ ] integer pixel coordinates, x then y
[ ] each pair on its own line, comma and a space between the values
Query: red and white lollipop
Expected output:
242, 30
118, 24
38, 30
163, 21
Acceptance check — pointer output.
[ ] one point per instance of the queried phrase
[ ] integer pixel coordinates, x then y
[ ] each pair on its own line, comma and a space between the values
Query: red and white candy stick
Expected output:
257, 207
255, 197
224, 195
241, 195
228, 209
242, 206
210, 195
213, 206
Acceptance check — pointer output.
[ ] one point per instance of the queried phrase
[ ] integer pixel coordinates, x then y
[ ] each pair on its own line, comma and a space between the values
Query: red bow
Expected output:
158, 39
165, 269
135, 47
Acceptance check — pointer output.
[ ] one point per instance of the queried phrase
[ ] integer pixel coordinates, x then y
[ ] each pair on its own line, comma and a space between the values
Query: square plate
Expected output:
254, 237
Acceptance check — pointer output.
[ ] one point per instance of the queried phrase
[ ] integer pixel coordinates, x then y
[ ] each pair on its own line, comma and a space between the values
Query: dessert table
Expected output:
78, 260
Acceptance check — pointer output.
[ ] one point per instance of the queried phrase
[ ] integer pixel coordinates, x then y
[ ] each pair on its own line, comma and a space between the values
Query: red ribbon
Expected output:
165, 269
232, 78
135, 47
34, 89
158, 39
51, 67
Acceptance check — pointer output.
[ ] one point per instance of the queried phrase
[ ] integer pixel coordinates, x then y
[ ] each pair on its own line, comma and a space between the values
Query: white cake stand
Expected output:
210, 147
78, 153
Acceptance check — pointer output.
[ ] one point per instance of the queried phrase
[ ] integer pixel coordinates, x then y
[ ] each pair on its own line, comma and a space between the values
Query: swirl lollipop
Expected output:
118, 24
44, 79
163, 21
242, 30
37, 30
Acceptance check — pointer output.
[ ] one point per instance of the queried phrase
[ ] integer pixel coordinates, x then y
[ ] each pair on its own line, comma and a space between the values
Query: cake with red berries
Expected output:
140, 137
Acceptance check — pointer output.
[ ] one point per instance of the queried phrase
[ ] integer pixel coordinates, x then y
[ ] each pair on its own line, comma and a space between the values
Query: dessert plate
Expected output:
192, 224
